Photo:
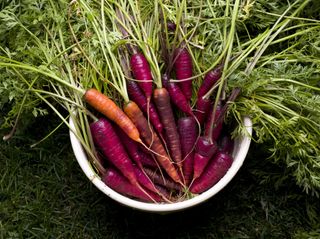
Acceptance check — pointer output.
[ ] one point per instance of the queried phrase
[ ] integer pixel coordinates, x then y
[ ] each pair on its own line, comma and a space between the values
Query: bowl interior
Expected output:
241, 147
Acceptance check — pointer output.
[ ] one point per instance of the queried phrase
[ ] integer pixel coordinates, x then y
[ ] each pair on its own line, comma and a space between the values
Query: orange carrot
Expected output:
151, 138
108, 108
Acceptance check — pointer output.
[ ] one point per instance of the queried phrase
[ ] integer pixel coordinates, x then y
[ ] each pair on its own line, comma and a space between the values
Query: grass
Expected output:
44, 194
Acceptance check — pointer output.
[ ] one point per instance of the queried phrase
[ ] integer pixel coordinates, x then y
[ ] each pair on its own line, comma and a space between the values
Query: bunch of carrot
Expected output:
158, 148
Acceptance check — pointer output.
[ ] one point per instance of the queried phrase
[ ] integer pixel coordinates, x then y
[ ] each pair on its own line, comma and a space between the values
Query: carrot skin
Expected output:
108, 108
135, 94
226, 144
209, 80
151, 138
162, 101
204, 152
202, 109
147, 160
141, 71
116, 181
157, 178
215, 170
218, 128
131, 147
171, 26
176, 95
144, 180
188, 131
106, 139
183, 69
205, 147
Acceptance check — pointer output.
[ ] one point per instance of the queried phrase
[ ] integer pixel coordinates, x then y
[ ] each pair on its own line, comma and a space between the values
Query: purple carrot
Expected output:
141, 71
203, 153
116, 181
188, 132
131, 146
144, 179
171, 26
176, 95
106, 139
136, 95
209, 80
215, 170
202, 109
226, 144
162, 180
183, 69
147, 160
216, 130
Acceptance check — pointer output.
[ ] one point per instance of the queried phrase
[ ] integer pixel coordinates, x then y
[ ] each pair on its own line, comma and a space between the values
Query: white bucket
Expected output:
241, 147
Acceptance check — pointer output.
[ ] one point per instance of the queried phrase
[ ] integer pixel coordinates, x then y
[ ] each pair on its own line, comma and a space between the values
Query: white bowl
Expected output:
241, 147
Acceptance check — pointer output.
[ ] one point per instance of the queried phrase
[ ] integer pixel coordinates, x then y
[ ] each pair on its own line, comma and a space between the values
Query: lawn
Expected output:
44, 194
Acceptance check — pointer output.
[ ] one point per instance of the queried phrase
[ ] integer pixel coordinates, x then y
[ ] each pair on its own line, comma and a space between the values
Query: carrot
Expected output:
215, 170
202, 109
210, 131
107, 107
171, 26
136, 95
157, 178
106, 139
147, 160
141, 71
162, 101
144, 179
131, 147
176, 95
187, 128
204, 152
151, 138
226, 144
116, 181
209, 80
183, 69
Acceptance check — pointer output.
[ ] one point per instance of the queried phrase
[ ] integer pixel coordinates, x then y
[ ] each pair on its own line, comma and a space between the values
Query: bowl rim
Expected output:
244, 144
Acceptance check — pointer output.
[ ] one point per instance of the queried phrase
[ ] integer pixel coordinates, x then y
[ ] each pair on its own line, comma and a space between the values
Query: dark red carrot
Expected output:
205, 147
209, 80
215, 170
151, 138
176, 95
202, 109
215, 131
188, 132
141, 71
171, 26
162, 101
108, 142
147, 160
116, 181
183, 70
226, 144
108, 108
157, 178
135, 94
144, 180
131, 147
203, 153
